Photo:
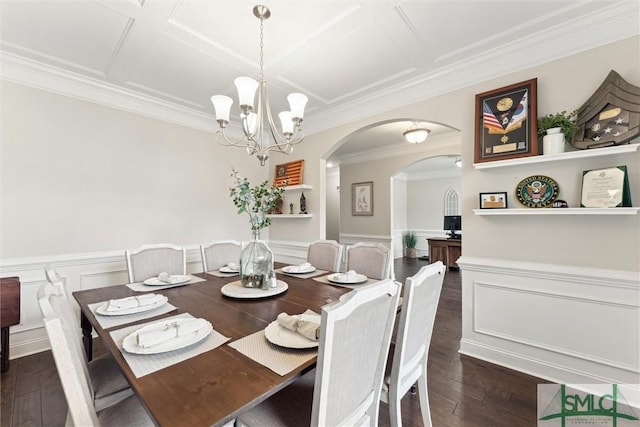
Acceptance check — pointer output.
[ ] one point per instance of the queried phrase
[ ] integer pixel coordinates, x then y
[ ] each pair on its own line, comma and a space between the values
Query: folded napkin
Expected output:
301, 267
160, 333
133, 302
349, 275
165, 277
307, 328
233, 266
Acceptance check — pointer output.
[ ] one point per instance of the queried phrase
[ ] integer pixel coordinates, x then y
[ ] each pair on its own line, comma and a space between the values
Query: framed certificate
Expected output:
605, 188
507, 123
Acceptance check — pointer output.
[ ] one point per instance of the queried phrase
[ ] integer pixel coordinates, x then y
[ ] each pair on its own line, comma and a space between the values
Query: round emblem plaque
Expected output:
537, 191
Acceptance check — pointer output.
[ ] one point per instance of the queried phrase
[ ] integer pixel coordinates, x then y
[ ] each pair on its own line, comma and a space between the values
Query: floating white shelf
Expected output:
283, 216
579, 154
298, 187
559, 211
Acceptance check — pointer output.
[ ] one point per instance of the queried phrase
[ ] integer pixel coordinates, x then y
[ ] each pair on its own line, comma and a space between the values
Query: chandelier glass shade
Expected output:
416, 134
260, 132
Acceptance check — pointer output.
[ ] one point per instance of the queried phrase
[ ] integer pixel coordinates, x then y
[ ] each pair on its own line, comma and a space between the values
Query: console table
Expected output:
446, 250
9, 314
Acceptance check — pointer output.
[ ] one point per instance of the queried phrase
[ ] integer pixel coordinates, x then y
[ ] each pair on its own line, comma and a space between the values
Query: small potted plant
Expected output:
410, 241
553, 126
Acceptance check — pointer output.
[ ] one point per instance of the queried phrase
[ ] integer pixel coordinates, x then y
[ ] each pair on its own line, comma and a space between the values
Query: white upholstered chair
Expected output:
220, 253
371, 259
421, 294
355, 335
85, 406
150, 260
325, 255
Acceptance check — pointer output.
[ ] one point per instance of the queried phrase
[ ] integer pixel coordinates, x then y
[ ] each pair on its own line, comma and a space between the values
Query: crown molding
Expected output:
28, 72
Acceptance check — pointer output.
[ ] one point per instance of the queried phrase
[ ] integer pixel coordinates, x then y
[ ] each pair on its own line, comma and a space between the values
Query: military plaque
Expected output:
537, 191
506, 123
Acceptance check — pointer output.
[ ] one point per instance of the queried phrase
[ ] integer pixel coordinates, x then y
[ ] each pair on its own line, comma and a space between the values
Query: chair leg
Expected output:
424, 400
395, 409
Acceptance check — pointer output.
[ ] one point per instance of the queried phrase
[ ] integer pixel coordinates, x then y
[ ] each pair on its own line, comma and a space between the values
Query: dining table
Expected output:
215, 386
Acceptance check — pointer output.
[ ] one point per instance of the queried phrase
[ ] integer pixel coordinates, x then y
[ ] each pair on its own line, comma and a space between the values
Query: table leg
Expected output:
87, 339
5, 350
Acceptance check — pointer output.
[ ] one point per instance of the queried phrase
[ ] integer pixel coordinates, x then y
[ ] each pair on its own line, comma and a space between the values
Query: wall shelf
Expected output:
283, 216
579, 154
558, 211
298, 187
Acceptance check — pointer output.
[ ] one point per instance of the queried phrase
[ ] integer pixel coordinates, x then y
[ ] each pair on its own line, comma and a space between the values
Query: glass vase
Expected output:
256, 264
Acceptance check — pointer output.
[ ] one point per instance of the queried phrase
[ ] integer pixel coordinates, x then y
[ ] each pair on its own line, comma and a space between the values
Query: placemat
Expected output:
141, 287
326, 281
110, 321
279, 359
145, 364
218, 273
304, 275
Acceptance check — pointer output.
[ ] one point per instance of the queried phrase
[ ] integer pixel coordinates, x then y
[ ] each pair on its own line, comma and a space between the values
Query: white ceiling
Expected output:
353, 58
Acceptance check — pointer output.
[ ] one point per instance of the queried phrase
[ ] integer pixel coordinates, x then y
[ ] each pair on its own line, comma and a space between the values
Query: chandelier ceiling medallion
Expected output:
260, 132
416, 134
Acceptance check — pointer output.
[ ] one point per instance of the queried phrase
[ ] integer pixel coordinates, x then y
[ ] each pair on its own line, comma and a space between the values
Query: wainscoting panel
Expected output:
564, 324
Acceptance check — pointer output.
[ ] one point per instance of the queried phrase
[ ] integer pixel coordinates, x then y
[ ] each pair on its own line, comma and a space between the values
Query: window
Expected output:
451, 206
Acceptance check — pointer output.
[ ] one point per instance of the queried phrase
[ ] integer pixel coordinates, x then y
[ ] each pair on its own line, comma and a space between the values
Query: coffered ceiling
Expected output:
353, 58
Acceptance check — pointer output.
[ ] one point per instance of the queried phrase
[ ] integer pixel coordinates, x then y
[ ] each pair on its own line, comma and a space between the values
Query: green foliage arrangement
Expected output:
410, 239
563, 120
257, 201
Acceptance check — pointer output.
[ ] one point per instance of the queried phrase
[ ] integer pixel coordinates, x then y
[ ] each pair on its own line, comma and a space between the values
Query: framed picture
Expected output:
362, 198
493, 200
507, 123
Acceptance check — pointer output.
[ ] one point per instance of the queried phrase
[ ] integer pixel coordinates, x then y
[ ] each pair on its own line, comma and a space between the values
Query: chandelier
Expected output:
260, 132
415, 134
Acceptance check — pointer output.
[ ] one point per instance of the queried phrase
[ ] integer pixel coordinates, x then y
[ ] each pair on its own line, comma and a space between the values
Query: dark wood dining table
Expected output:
214, 387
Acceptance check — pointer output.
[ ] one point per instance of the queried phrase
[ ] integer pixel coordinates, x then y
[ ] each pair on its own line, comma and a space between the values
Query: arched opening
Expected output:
377, 153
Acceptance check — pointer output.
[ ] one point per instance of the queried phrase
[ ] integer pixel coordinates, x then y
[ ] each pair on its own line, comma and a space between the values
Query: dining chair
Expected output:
325, 255
107, 383
150, 260
421, 294
74, 373
220, 253
371, 259
350, 368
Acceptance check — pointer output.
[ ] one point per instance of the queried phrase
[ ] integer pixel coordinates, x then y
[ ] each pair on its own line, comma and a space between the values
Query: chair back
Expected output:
150, 260
421, 295
220, 253
68, 355
325, 255
371, 259
351, 363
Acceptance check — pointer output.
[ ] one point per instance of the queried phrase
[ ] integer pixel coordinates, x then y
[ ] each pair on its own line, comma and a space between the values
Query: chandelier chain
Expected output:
261, 48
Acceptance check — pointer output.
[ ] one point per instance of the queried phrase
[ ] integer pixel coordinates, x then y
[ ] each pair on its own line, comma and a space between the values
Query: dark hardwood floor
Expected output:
462, 391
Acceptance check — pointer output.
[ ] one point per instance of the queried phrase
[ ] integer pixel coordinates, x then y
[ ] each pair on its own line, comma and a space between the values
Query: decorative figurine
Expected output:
291, 208
303, 204
279, 206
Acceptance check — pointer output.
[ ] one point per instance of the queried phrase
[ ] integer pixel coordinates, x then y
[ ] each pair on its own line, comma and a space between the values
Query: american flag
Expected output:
489, 119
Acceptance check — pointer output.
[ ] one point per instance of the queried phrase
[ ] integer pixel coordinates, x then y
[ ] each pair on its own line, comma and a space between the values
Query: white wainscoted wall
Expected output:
559, 322
422, 249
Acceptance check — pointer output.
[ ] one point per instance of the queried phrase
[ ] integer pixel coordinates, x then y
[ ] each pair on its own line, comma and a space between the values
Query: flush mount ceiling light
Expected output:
416, 134
255, 121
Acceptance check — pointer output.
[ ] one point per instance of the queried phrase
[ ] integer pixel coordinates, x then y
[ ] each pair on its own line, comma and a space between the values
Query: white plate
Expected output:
236, 290
342, 278
176, 279
279, 335
130, 343
292, 269
225, 269
103, 308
